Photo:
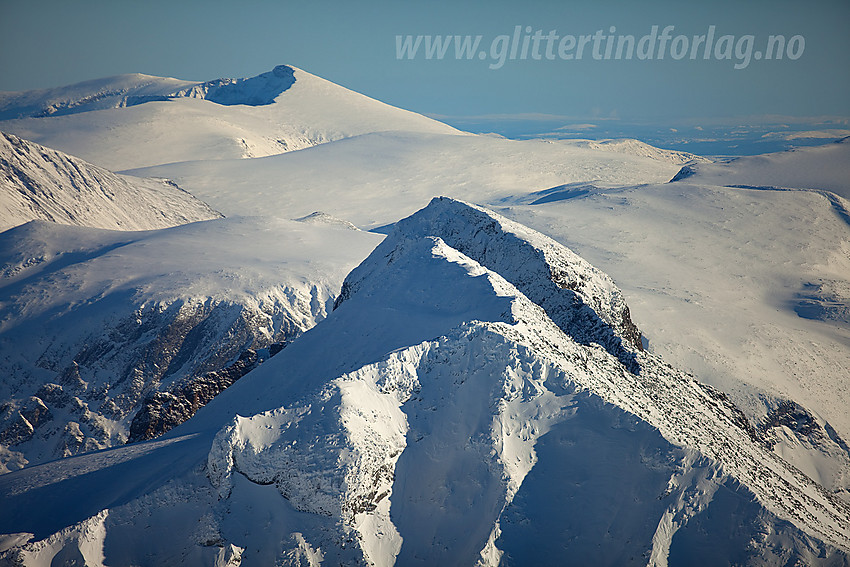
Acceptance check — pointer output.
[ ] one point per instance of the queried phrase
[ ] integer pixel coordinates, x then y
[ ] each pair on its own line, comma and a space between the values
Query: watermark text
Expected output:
659, 44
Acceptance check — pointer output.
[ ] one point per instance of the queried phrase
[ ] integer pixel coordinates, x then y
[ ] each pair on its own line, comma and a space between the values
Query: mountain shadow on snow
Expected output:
133, 90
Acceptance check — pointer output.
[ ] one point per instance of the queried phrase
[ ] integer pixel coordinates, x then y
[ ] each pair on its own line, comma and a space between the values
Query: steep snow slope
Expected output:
757, 307
745, 288
581, 300
438, 415
40, 183
170, 121
92, 322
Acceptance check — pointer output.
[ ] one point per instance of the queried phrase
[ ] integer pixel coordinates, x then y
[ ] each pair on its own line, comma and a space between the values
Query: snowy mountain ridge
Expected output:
141, 121
478, 396
130, 90
93, 323
363, 423
438, 414
40, 183
584, 302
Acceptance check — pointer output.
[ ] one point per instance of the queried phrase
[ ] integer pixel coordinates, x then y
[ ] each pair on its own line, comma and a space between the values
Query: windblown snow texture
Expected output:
439, 415
581, 300
40, 183
478, 396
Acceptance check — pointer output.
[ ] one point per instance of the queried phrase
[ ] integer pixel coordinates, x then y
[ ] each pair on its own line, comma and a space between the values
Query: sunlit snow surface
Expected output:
40, 183
94, 321
440, 415
310, 111
405, 425
720, 275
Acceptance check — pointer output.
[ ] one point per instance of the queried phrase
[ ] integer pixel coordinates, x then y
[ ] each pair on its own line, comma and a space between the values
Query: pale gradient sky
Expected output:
53, 43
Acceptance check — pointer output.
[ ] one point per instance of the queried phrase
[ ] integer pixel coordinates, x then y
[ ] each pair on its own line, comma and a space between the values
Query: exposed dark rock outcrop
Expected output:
162, 411
799, 421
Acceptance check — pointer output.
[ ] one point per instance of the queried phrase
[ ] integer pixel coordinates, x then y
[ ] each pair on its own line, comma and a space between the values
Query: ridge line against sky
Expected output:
49, 43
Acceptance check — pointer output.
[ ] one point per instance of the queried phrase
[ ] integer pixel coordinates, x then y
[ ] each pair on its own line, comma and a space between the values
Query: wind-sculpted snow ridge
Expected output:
582, 301
420, 457
439, 416
131, 90
40, 183
256, 91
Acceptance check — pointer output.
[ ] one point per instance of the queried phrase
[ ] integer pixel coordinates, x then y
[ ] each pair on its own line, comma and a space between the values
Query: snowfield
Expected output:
822, 168
404, 427
375, 179
746, 288
183, 124
618, 355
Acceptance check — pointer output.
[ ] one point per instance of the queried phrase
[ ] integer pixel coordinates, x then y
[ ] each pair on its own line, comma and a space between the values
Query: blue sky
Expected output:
52, 43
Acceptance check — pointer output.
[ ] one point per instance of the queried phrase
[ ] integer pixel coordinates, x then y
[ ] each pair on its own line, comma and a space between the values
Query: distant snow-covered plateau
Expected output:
271, 321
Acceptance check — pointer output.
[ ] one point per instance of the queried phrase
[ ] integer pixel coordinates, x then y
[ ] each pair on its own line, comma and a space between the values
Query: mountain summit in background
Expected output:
590, 365
142, 120
130, 90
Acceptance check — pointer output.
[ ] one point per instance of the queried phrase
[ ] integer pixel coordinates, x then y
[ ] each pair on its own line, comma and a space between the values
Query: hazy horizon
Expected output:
541, 71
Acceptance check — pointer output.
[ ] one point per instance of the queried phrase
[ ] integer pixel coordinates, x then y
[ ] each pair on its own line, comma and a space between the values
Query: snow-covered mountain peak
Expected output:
584, 302
424, 274
255, 91
144, 121
438, 415
134, 89
473, 376
41, 183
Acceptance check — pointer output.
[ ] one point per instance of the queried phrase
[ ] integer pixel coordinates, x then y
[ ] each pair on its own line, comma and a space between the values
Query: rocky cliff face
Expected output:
139, 378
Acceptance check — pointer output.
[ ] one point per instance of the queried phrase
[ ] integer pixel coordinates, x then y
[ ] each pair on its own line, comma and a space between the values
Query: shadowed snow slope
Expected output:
134, 121
134, 89
94, 322
581, 300
745, 288
440, 416
40, 183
